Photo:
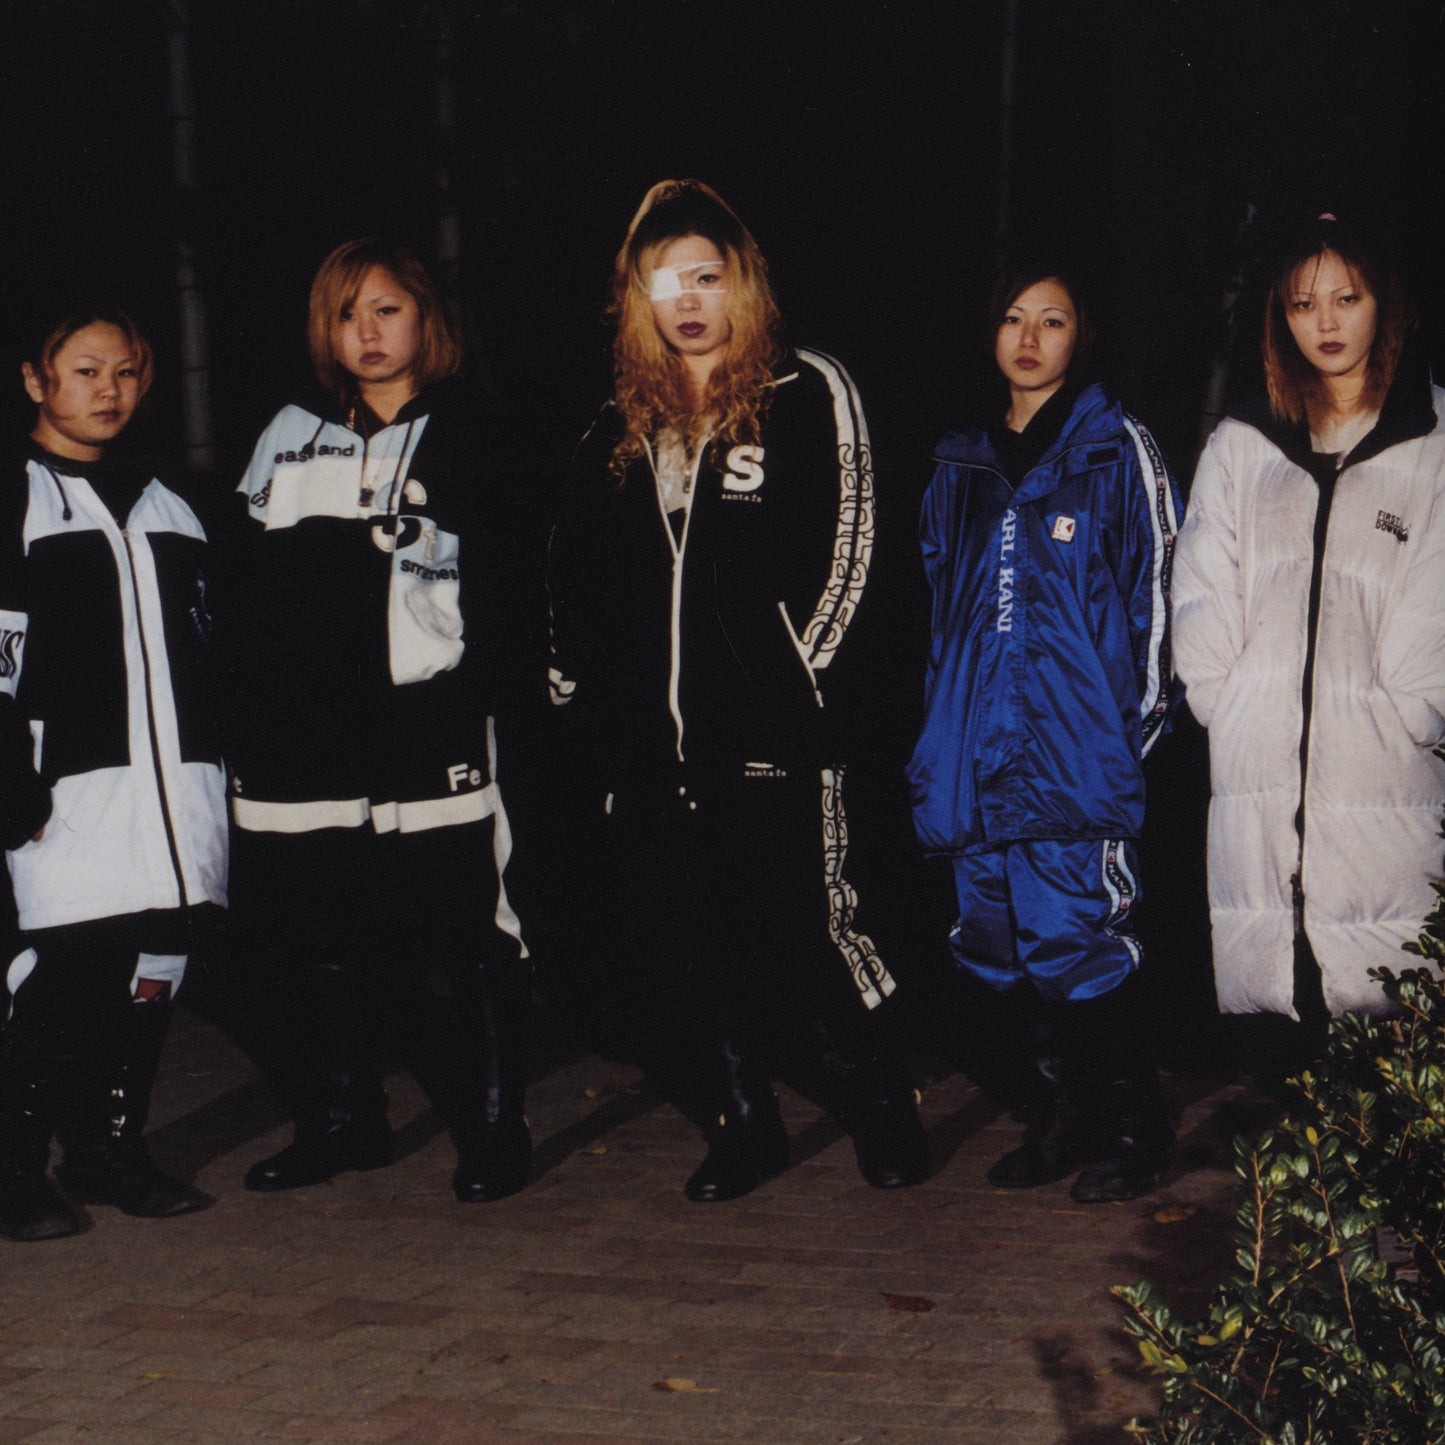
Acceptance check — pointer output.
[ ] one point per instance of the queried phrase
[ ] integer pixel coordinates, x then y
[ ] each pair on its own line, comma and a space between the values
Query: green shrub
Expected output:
1330, 1329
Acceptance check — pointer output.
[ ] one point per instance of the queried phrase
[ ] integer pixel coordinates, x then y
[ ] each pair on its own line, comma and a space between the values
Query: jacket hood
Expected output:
450, 389
1096, 419
1408, 413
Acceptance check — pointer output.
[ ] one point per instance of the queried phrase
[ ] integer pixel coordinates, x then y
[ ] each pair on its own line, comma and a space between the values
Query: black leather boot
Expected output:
119, 1171
748, 1142
1106, 1117
1059, 1127
1061, 1134
348, 1131
1138, 1142
494, 1162
888, 1137
494, 1143
31, 1209
330, 1085
106, 1160
1135, 1140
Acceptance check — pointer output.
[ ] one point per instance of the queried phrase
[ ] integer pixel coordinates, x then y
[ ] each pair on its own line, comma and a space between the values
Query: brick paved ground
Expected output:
598, 1305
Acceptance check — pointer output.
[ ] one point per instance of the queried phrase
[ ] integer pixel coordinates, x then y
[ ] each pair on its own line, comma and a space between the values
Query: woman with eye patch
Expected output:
1048, 533
1311, 597
375, 638
710, 556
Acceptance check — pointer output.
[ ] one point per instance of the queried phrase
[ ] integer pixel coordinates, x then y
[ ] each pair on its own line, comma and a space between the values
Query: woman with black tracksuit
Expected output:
112, 796
712, 549
373, 644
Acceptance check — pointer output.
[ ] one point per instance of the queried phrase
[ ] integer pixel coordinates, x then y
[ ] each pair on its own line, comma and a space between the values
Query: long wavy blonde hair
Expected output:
650, 382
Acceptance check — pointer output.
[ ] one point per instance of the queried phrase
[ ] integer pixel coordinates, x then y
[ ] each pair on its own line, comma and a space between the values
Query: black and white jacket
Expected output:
105, 735
374, 622
715, 650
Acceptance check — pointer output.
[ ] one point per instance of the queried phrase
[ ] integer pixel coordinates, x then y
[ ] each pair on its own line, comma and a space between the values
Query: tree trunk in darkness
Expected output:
448, 218
195, 363
1008, 65
1219, 372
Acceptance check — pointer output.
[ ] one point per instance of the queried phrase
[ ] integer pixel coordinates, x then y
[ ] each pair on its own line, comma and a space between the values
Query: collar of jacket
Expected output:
1408, 413
439, 394
118, 478
1096, 420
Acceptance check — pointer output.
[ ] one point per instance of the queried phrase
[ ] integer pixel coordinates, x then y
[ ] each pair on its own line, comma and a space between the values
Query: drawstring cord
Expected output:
384, 534
66, 514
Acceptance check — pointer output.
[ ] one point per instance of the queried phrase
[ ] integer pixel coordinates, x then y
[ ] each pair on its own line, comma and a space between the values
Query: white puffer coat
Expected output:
1249, 552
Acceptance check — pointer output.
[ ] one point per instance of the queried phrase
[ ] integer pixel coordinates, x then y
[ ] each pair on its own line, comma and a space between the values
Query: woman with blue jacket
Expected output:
1047, 538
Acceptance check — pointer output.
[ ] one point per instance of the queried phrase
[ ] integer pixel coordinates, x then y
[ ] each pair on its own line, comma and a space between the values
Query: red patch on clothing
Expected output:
147, 989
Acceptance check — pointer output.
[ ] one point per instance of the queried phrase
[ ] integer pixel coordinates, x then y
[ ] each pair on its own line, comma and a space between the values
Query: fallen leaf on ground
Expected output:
909, 1304
677, 1385
1174, 1213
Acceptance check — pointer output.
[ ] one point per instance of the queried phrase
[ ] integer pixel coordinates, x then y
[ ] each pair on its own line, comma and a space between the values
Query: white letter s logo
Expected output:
744, 469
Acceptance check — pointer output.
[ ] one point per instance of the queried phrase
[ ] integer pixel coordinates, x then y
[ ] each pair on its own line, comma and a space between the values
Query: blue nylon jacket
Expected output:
1049, 674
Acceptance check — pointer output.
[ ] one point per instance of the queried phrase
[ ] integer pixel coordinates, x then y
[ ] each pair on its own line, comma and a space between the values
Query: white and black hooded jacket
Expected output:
105, 735
1310, 629
373, 621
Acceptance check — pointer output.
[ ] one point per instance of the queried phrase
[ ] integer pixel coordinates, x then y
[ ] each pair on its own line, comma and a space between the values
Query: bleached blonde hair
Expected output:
650, 381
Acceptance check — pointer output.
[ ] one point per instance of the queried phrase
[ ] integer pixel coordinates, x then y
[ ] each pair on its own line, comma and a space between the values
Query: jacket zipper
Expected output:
163, 799
1319, 542
678, 547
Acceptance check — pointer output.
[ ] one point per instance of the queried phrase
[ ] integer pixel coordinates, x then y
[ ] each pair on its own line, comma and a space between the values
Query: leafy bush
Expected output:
1331, 1327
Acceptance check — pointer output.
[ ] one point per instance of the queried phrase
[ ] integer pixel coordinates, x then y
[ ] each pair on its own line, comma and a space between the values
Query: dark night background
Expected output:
859, 141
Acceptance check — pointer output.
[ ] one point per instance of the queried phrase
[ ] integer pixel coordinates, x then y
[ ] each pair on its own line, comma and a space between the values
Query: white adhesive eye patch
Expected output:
667, 280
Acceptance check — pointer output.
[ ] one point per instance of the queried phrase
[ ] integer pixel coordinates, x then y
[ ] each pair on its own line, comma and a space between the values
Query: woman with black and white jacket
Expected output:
709, 556
373, 636
1310, 630
112, 796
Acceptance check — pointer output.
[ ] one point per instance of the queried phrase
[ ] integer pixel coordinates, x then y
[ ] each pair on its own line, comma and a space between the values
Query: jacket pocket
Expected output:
802, 653
424, 611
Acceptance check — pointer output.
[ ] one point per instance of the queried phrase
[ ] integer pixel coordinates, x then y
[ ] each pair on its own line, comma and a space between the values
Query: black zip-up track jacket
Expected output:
717, 652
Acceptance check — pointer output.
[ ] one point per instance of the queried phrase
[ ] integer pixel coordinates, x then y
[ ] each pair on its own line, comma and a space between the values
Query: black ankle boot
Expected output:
30, 1207
1138, 1145
494, 1163
320, 1151
120, 1172
747, 1146
1106, 1118
1059, 1138
1136, 1140
746, 1140
888, 1137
